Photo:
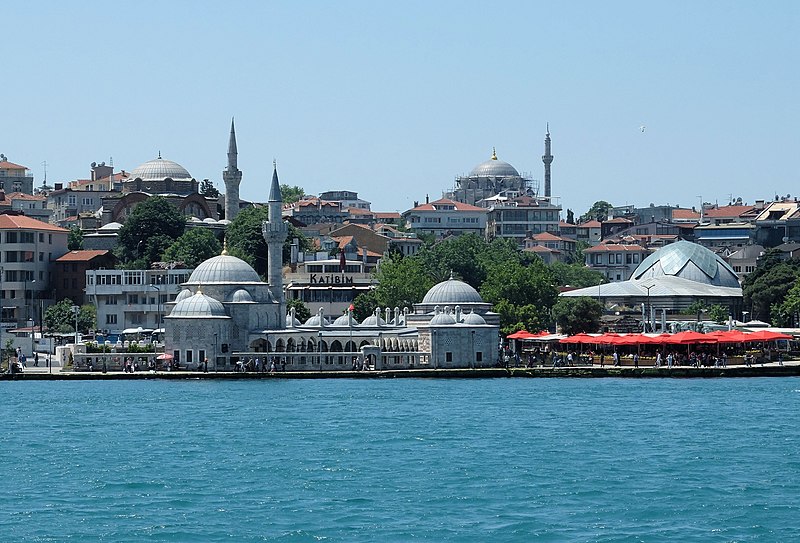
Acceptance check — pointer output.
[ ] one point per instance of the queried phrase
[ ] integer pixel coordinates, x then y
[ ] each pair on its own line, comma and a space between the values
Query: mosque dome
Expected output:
292, 321
690, 261
316, 320
342, 321
224, 269
372, 320
443, 319
452, 292
159, 169
241, 295
494, 168
473, 319
198, 306
112, 226
182, 295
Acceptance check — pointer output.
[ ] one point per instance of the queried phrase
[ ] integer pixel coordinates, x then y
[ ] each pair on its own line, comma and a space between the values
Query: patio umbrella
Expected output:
766, 335
164, 356
688, 338
730, 336
579, 338
521, 334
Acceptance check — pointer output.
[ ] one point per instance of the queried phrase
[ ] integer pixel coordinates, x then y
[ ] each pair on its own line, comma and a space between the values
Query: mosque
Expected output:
226, 314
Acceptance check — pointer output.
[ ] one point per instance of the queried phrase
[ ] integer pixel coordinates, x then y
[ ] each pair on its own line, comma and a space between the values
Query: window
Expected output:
479, 356
176, 356
41, 237
188, 356
11, 237
111, 300
133, 299
201, 354
448, 356
111, 319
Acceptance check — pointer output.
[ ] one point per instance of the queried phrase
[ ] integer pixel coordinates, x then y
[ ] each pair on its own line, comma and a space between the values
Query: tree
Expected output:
246, 240
208, 189
525, 293
576, 275
718, 313
301, 311
598, 211
60, 317
576, 315
570, 216
290, 195
769, 289
149, 230
401, 283
75, 238
786, 312
193, 247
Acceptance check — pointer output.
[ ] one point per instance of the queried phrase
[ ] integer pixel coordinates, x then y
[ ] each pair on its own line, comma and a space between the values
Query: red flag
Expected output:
351, 308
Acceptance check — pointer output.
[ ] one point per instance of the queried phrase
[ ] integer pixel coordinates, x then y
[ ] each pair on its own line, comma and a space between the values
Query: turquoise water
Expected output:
401, 460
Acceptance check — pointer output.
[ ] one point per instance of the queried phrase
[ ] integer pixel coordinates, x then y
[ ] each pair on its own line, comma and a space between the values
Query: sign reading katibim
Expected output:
316, 279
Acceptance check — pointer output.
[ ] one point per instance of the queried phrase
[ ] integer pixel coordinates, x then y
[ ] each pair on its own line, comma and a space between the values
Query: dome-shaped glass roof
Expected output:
159, 169
494, 168
452, 291
241, 295
182, 295
198, 306
689, 261
224, 269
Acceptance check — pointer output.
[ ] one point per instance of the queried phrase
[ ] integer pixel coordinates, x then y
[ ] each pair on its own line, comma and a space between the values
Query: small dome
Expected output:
342, 321
224, 221
241, 296
473, 319
494, 168
687, 260
209, 220
452, 292
372, 320
198, 306
159, 169
224, 269
289, 323
182, 295
443, 319
111, 226
316, 320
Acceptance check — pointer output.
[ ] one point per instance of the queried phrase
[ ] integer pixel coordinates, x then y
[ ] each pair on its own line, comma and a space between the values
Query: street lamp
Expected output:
647, 288
76, 309
159, 320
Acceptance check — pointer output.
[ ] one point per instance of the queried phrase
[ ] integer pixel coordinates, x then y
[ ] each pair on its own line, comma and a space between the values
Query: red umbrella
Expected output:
766, 335
521, 334
730, 336
579, 338
688, 337
164, 356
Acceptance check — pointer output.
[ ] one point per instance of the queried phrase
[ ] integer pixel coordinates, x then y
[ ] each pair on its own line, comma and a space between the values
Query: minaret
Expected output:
547, 158
232, 176
275, 231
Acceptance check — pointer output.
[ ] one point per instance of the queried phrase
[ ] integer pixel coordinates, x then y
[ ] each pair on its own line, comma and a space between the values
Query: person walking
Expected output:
616, 358
635, 360
670, 359
658, 359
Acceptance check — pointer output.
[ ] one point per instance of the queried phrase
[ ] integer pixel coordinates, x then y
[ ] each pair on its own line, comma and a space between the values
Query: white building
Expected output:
131, 299
446, 217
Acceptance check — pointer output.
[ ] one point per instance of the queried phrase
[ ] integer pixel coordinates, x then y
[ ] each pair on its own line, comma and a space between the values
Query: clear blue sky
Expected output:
393, 100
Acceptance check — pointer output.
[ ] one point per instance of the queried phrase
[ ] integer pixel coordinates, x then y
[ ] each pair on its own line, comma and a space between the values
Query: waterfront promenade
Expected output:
772, 369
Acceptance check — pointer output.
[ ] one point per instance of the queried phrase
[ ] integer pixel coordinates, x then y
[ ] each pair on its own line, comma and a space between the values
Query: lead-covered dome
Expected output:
224, 269
240, 296
159, 169
452, 292
198, 306
687, 260
494, 168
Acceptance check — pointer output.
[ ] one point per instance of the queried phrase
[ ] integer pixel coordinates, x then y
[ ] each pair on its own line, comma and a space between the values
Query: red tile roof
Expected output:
727, 211
6, 165
619, 220
590, 224
685, 214
81, 256
546, 236
459, 206
21, 222
383, 215
23, 196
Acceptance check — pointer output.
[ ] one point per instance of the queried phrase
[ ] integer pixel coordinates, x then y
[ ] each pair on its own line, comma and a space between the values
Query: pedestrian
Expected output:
22, 359
602, 359
616, 358
658, 359
36, 359
670, 359
205, 365
635, 360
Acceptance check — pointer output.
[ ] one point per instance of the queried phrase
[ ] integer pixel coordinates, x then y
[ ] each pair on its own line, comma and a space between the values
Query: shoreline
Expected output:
581, 372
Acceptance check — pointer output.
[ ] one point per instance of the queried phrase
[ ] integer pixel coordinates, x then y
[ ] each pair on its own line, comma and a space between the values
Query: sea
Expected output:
507, 459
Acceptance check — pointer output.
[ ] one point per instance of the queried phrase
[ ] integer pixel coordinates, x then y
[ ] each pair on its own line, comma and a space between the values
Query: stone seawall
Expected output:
769, 370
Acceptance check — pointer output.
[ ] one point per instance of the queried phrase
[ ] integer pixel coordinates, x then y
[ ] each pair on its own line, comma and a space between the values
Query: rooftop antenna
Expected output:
44, 163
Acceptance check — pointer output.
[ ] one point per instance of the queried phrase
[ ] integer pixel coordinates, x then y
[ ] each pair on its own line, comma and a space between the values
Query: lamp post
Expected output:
75, 310
158, 302
647, 288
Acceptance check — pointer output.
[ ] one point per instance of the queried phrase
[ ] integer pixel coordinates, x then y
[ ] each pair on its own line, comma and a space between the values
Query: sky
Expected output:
394, 100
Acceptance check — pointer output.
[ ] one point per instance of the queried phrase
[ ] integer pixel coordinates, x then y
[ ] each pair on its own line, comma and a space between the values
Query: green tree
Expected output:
301, 311
576, 275
401, 283
598, 211
576, 315
769, 289
75, 238
718, 313
149, 230
246, 241
208, 189
570, 216
528, 293
193, 247
60, 317
290, 195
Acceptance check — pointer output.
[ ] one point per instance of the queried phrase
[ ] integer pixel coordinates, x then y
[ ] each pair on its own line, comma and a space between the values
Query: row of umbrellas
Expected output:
681, 338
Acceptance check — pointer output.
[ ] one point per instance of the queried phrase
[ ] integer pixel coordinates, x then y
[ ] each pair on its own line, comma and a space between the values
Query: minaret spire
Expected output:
275, 231
232, 176
547, 158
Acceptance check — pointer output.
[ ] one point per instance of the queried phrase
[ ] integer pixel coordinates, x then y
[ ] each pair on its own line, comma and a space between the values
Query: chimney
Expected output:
427, 200
59, 186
